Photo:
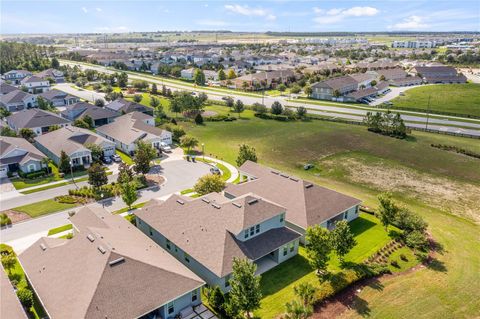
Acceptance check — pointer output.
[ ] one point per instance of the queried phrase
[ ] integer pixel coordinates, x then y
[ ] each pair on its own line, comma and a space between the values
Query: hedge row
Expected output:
456, 149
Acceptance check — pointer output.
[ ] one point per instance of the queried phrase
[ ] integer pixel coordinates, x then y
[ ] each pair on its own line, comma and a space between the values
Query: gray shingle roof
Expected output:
307, 204
14, 96
79, 278
95, 112
8, 144
32, 118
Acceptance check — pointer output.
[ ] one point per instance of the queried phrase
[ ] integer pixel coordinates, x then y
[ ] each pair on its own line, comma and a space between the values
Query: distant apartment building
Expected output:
414, 44
439, 74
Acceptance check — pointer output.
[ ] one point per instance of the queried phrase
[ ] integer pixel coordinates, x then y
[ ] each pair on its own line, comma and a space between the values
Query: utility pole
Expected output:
428, 112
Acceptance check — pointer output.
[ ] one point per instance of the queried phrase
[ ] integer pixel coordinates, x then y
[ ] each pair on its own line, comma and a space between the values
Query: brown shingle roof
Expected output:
75, 279
307, 204
206, 227
10, 307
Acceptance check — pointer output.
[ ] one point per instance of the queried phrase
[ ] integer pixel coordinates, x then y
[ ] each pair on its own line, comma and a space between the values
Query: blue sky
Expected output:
66, 16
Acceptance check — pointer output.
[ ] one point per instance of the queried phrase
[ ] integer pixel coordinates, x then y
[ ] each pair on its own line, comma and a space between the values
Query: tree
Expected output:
100, 102
154, 102
129, 193
245, 85
208, 184
239, 107
27, 134
409, 221
55, 64
202, 98
199, 119
337, 93
296, 310
137, 98
308, 90
97, 176
231, 74
177, 132
221, 75
382, 77
301, 111
342, 239
259, 108
81, 123
373, 83
318, 247
125, 173
154, 89
8, 262
46, 161
306, 292
416, 240
229, 101
96, 151
282, 87
25, 296
387, 211
245, 291
122, 79
7, 131
276, 108
144, 154
188, 142
89, 121
246, 153
43, 104
64, 163
199, 77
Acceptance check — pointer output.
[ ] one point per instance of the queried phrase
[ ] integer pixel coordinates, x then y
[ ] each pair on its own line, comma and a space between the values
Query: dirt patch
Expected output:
452, 196
209, 113
15, 216
154, 179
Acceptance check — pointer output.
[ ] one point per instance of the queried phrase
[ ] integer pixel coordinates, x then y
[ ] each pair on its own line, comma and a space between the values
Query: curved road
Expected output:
467, 127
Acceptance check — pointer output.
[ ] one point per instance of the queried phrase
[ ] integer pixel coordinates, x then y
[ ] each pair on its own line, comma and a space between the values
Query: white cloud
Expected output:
250, 12
410, 23
211, 23
112, 29
98, 9
84, 10
338, 14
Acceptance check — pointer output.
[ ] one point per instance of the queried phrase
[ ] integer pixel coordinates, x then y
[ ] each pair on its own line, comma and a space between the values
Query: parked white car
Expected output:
165, 147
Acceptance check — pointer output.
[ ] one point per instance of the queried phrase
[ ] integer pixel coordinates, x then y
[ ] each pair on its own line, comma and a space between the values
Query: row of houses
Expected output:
157, 269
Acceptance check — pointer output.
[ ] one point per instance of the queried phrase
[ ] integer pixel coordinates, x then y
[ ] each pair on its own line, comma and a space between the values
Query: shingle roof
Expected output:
70, 139
336, 83
10, 307
129, 128
7, 144
122, 105
108, 270
32, 79
206, 227
32, 118
307, 204
95, 112
6, 88
14, 96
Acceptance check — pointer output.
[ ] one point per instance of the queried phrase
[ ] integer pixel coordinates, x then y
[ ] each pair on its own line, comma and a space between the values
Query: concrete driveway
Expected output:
394, 92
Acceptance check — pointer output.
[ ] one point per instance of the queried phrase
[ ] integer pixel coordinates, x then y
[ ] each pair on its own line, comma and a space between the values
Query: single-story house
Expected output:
6, 88
17, 100
54, 74
207, 233
39, 121
18, 154
123, 106
74, 142
10, 306
59, 98
125, 131
439, 74
99, 115
307, 204
35, 84
109, 269
15, 76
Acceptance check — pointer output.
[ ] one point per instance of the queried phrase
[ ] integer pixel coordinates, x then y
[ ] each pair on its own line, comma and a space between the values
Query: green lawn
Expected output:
60, 229
17, 273
125, 209
42, 208
125, 158
277, 284
21, 183
443, 290
453, 98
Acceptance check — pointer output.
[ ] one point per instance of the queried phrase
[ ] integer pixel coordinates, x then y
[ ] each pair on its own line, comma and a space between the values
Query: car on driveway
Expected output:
165, 147
116, 158
107, 160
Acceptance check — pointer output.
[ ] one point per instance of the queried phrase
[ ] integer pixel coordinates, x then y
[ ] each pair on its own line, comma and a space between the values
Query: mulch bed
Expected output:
209, 113
15, 216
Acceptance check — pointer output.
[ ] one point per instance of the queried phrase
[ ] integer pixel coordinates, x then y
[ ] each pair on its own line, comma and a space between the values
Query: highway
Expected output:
412, 119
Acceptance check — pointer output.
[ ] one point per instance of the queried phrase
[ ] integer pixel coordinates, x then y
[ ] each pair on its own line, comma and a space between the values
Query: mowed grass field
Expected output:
454, 98
445, 290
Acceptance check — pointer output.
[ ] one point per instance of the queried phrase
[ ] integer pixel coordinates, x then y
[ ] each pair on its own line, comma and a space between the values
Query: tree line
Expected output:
24, 56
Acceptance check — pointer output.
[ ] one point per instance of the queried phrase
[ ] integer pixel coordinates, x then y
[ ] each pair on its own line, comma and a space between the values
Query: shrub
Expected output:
403, 257
25, 296
394, 263
199, 119
4, 220
66, 199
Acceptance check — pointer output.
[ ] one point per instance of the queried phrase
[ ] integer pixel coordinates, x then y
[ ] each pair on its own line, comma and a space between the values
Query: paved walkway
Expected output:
233, 170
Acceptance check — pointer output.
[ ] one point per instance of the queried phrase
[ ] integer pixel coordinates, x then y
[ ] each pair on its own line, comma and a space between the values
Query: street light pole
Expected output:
71, 173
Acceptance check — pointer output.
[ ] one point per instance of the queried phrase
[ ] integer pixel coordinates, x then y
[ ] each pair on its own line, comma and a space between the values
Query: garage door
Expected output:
3, 172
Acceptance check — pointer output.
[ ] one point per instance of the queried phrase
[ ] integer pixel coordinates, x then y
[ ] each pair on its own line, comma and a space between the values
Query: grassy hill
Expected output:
452, 98
437, 184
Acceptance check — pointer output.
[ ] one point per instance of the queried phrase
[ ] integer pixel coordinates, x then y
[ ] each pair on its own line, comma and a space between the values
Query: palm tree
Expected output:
46, 161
